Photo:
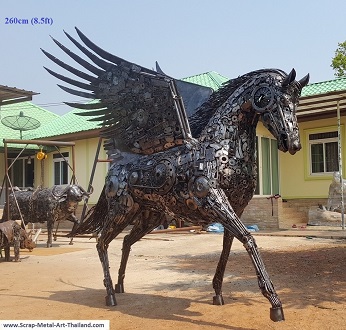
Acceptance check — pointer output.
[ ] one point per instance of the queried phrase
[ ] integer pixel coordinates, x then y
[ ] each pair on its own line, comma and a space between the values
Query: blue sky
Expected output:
186, 37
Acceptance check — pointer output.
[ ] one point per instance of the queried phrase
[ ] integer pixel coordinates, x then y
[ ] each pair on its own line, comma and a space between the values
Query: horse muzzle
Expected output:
289, 143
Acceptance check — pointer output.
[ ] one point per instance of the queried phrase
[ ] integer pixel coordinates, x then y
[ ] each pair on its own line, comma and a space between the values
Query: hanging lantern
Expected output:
41, 155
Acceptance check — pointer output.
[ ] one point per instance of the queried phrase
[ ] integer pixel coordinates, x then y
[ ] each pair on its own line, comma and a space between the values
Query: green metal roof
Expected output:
29, 109
210, 79
66, 124
54, 125
324, 87
215, 80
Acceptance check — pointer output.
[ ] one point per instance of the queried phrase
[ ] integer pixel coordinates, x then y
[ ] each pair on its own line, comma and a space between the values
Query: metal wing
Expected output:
140, 109
192, 94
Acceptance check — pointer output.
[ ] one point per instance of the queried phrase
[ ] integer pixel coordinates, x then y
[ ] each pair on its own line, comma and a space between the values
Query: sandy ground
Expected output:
168, 284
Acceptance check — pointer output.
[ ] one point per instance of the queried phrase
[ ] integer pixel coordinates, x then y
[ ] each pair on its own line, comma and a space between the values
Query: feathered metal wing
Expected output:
141, 110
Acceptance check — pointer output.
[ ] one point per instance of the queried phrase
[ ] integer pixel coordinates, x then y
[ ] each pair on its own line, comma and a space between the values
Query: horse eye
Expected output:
286, 101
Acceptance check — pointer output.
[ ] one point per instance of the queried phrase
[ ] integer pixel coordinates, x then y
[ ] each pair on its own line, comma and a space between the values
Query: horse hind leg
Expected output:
146, 221
107, 235
113, 227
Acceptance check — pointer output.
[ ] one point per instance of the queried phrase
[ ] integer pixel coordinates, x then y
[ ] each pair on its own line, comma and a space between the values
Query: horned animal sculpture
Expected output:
197, 163
46, 205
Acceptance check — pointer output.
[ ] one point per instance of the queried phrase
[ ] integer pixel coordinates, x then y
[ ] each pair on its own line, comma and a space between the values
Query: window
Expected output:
61, 168
267, 166
323, 148
21, 172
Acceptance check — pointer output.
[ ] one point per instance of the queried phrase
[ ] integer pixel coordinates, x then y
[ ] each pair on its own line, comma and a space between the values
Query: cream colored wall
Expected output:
262, 131
295, 178
85, 151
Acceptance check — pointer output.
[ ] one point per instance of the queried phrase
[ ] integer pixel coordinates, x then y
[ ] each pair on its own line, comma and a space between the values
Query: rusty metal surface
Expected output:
199, 166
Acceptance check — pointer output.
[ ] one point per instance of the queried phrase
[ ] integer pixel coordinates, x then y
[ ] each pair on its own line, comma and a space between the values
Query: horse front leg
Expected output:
221, 266
264, 282
218, 207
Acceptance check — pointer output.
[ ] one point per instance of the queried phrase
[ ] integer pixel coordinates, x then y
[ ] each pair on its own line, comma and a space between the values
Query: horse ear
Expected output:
290, 77
158, 68
304, 81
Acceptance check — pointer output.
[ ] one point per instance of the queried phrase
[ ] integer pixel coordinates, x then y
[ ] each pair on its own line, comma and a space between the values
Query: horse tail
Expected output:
94, 219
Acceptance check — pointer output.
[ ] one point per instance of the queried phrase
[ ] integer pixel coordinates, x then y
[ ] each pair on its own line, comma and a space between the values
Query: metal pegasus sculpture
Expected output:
192, 157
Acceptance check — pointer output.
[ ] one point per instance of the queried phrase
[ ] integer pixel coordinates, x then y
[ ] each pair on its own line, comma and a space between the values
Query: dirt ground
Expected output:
168, 284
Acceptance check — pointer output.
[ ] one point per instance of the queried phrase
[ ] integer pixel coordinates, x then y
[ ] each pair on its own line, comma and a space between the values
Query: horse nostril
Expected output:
297, 146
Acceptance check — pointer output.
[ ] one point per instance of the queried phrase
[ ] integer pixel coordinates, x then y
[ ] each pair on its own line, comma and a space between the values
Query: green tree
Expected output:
339, 60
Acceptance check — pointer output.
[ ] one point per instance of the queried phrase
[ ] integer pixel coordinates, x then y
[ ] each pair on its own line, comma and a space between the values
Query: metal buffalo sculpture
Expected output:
11, 234
178, 150
46, 205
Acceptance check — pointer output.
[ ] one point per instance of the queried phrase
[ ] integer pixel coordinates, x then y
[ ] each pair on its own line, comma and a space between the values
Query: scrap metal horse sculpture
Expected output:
160, 166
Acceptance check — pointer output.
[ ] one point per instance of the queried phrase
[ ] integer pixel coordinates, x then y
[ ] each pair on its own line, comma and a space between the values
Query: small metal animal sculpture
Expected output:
46, 205
161, 166
11, 234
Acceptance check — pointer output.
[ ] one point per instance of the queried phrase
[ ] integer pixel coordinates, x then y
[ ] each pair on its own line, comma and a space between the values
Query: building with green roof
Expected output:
210, 79
63, 126
302, 180
305, 177
29, 110
22, 115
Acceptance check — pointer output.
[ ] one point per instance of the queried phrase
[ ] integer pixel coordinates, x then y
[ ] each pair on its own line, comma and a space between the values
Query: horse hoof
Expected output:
110, 300
119, 288
277, 314
218, 300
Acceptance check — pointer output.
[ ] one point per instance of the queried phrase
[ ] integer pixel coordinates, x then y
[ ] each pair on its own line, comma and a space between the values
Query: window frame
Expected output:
307, 154
25, 177
61, 159
323, 142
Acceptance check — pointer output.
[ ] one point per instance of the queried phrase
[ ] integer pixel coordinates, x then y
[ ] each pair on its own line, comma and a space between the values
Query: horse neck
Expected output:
234, 127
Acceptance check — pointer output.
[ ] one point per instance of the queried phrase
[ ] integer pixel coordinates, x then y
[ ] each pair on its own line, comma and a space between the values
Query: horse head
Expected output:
275, 99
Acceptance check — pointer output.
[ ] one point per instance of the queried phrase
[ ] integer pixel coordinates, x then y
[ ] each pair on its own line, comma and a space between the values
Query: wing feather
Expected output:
140, 110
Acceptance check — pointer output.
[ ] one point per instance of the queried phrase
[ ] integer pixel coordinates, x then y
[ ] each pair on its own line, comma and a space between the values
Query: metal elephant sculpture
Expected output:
46, 205
11, 234
171, 155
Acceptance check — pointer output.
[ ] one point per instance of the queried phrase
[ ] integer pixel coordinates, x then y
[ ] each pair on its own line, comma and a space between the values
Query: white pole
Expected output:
340, 167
